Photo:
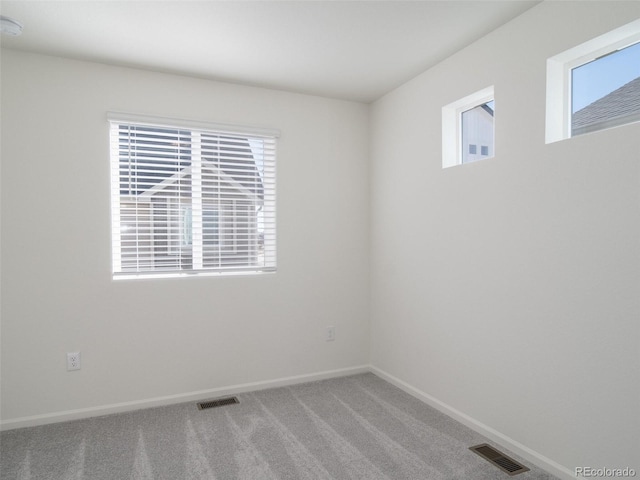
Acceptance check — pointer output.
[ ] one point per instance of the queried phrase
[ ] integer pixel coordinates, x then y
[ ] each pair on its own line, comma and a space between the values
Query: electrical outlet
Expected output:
73, 361
330, 334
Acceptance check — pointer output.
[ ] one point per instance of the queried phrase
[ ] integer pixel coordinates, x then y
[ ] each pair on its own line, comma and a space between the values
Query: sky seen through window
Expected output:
602, 76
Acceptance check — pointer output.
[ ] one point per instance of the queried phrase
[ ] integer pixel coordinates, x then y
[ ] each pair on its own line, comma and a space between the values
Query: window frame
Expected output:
452, 148
265, 215
559, 75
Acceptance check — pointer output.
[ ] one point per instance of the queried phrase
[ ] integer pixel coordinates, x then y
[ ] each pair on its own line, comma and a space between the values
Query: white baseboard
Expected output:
502, 440
68, 415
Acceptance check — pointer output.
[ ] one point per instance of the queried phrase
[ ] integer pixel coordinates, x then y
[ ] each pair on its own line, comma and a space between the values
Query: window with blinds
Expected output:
189, 199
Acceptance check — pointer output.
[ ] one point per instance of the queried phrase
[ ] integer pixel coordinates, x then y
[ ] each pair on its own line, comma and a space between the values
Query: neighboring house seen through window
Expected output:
468, 129
191, 200
477, 129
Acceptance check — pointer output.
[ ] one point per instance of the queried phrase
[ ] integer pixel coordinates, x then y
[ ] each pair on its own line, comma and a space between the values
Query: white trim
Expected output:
64, 416
558, 111
451, 128
479, 427
149, 120
192, 274
114, 203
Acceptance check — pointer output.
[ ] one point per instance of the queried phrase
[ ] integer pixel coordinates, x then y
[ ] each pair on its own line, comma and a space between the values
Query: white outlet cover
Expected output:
73, 361
330, 334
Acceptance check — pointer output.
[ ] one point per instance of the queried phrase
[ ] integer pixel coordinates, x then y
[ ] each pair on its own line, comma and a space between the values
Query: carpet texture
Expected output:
357, 427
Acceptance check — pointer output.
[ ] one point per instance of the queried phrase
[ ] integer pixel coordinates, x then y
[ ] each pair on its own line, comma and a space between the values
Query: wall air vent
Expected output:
499, 459
218, 402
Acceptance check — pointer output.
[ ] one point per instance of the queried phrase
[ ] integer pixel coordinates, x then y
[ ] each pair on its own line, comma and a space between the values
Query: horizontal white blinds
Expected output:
189, 200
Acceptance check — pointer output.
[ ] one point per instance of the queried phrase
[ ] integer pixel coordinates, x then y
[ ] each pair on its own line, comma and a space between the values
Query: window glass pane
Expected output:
606, 91
477, 128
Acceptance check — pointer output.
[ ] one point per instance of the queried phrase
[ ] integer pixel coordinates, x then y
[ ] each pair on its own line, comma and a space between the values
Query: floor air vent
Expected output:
218, 402
499, 459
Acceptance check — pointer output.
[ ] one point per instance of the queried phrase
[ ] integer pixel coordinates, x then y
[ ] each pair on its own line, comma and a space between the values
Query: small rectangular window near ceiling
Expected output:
606, 91
595, 85
466, 124
191, 199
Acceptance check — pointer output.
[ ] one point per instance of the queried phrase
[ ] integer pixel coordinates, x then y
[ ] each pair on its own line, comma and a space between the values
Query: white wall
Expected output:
508, 289
154, 338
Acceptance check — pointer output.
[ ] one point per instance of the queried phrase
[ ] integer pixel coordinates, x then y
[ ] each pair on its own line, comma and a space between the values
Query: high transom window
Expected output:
595, 85
605, 92
189, 200
468, 129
